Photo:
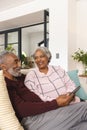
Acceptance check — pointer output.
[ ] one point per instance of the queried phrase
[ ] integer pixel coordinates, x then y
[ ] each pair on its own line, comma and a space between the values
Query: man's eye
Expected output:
35, 58
16, 62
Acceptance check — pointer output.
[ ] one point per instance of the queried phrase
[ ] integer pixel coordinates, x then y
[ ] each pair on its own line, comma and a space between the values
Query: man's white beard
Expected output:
15, 73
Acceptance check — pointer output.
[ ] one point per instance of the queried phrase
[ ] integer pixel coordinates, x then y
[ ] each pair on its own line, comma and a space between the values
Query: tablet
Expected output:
75, 90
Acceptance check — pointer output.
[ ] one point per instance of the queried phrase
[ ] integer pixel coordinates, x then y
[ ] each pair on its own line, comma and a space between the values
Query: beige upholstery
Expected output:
8, 120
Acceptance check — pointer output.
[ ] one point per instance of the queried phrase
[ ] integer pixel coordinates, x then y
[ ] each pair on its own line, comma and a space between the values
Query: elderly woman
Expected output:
47, 81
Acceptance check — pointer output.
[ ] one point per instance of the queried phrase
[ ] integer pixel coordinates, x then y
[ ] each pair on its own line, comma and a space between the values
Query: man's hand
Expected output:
64, 100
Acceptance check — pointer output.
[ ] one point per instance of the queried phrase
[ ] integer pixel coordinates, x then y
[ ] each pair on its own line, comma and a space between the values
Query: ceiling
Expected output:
20, 21
7, 4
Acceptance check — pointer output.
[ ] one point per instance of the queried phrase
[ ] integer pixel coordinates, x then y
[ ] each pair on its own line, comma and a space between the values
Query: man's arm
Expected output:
33, 105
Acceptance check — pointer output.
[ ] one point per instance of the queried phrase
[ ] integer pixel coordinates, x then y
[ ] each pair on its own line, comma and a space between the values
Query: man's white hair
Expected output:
3, 56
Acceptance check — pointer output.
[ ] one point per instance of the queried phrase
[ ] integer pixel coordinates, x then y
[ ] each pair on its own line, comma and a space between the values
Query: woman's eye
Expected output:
42, 56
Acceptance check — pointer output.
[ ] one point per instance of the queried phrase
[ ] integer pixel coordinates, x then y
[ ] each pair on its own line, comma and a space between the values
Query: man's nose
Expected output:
19, 64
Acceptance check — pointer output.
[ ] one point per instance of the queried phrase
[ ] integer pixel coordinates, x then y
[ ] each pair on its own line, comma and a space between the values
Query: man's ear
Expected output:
3, 67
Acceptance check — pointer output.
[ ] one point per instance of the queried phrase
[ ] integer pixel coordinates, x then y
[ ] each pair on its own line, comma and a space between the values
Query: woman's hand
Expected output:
64, 100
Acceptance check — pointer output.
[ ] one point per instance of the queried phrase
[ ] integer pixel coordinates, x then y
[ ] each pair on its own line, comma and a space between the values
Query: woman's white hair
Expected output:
45, 50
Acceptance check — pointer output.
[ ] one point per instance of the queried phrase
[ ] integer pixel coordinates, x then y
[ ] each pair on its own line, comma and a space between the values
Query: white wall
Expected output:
71, 33
35, 38
58, 29
25, 42
81, 27
77, 30
58, 26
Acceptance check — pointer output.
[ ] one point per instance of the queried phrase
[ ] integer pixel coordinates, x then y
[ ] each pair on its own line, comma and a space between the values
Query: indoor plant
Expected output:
10, 48
81, 55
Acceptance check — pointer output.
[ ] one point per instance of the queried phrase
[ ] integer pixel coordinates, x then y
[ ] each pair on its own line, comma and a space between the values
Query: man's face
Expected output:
13, 65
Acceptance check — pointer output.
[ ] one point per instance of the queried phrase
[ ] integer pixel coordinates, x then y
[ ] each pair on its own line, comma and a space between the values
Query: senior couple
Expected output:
41, 99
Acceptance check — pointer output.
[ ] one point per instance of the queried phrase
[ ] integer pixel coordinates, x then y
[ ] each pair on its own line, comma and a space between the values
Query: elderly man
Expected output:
34, 113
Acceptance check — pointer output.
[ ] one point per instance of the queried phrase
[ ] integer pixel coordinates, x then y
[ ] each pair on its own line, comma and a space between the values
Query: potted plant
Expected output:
81, 56
10, 48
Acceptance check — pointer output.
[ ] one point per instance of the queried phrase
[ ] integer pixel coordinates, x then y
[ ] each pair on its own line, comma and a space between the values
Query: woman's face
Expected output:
41, 59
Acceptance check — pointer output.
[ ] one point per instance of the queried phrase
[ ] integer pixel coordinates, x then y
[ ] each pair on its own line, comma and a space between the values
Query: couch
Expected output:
8, 120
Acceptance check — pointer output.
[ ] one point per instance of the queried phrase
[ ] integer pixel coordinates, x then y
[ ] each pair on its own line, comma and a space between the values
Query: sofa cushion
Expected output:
74, 76
8, 120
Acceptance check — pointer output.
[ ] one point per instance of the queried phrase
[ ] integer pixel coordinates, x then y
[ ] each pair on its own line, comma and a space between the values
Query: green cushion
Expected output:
74, 76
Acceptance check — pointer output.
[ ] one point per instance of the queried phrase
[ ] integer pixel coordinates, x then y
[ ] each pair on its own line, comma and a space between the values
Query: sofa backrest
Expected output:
73, 74
8, 119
